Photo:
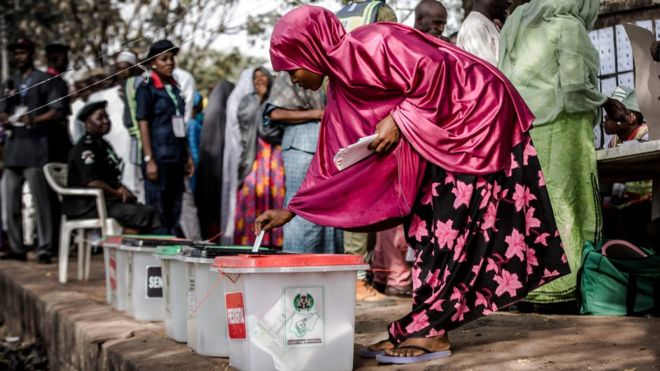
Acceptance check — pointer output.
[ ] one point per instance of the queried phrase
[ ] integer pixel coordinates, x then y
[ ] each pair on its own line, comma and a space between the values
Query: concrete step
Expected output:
80, 330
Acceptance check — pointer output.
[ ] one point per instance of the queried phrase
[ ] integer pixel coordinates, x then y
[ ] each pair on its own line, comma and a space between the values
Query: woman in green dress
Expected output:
546, 52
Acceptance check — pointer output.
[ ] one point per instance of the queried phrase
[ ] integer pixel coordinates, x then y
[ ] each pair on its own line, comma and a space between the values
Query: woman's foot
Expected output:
414, 347
371, 351
417, 350
383, 345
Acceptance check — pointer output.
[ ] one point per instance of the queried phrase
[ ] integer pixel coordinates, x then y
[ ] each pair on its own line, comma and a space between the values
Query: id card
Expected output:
179, 126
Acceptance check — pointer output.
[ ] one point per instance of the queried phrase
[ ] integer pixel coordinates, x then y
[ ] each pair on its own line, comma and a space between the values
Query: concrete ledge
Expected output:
80, 331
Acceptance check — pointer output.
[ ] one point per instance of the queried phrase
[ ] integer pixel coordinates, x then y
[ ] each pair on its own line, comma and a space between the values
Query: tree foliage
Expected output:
86, 26
210, 66
97, 29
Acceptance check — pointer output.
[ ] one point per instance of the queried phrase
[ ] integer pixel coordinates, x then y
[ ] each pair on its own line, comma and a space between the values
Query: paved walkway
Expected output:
82, 332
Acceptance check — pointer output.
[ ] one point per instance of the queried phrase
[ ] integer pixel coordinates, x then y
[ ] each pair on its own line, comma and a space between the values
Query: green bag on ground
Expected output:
618, 279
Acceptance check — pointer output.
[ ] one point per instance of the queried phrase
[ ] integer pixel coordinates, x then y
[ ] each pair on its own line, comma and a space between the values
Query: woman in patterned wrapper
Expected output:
454, 163
260, 170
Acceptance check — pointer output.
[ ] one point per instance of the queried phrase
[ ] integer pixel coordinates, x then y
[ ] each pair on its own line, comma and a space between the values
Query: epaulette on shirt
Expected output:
157, 82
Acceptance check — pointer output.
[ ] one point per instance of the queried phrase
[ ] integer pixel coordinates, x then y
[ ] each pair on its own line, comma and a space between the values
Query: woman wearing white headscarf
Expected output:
546, 52
231, 156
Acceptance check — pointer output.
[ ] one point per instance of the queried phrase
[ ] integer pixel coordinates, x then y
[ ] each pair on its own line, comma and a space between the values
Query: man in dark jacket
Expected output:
28, 107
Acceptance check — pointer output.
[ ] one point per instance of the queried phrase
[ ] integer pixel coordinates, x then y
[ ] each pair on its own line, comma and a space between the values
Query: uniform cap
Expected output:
21, 43
89, 108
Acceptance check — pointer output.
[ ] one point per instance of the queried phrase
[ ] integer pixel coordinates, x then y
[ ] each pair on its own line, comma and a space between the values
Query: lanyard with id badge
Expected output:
178, 124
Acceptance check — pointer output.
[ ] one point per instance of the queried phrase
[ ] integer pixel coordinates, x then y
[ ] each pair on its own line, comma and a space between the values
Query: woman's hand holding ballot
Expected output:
387, 135
272, 219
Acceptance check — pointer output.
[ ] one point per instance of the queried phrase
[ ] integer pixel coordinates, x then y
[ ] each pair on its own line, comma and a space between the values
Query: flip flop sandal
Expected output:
370, 354
428, 356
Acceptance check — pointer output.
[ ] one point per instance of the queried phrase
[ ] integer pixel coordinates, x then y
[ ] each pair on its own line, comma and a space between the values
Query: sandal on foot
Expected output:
370, 354
429, 355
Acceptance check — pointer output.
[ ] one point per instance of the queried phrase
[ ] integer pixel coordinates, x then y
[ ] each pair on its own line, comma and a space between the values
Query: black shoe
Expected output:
14, 256
379, 286
45, 258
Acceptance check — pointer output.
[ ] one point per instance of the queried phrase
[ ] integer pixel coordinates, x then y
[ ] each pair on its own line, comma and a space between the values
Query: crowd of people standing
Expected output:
156, 146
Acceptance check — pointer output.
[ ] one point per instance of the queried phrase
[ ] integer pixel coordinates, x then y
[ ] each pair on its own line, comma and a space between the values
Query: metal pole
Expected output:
4, 62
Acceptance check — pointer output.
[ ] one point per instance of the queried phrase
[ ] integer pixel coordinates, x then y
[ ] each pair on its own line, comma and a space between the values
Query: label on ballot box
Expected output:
154, 282
235, 315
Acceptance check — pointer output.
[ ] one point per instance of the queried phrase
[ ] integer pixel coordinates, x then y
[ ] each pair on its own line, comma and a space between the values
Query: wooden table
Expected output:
630, 162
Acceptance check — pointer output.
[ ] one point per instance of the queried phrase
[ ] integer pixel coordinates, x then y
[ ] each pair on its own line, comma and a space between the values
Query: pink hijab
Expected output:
453, 109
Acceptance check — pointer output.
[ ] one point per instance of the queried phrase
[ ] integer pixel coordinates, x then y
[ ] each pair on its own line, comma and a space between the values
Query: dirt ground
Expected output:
514, 341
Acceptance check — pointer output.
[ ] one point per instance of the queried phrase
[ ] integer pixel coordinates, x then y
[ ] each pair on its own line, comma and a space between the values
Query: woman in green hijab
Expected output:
546, 52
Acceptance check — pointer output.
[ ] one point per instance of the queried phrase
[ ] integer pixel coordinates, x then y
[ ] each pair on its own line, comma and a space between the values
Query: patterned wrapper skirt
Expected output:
481, 243
262, 189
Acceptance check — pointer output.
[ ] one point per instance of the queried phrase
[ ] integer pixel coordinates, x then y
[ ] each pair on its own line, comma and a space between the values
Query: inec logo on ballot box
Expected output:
303, 302
305, 321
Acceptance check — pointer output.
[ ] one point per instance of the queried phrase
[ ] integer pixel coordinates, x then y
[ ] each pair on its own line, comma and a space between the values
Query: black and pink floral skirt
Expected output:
481, 243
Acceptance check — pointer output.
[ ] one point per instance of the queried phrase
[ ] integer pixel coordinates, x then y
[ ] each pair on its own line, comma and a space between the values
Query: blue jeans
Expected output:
300, 235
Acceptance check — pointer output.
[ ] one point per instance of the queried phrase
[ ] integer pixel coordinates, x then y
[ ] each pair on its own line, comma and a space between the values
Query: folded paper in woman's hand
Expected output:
356, 152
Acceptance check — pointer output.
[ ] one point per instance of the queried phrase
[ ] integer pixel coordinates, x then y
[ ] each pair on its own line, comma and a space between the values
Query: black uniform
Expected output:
26, 150
29, 146
59, 143
92, 158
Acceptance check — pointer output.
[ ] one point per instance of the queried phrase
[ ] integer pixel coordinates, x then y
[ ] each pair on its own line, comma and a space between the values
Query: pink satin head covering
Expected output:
298, 43
453, 110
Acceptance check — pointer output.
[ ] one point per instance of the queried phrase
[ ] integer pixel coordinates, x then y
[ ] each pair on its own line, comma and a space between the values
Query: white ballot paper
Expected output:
257, 242
18, 113
356, 152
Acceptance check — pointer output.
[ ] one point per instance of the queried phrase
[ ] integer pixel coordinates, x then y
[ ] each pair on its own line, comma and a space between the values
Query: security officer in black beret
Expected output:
167, 160
94, 164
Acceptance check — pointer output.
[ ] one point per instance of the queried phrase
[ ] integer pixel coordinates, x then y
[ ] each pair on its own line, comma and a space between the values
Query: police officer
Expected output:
30, 97
94, 164
160, 113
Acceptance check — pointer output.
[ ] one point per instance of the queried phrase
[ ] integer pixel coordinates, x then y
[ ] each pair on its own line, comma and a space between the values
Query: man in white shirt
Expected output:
479, 33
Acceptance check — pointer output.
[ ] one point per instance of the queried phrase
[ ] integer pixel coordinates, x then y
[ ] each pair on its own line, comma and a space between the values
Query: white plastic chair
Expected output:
56, 176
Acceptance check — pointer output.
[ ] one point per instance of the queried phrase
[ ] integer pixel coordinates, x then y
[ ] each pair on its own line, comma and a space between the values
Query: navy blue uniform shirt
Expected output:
155, 105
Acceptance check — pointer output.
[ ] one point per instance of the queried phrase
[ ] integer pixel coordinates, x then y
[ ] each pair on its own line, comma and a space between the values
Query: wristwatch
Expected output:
147, 158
